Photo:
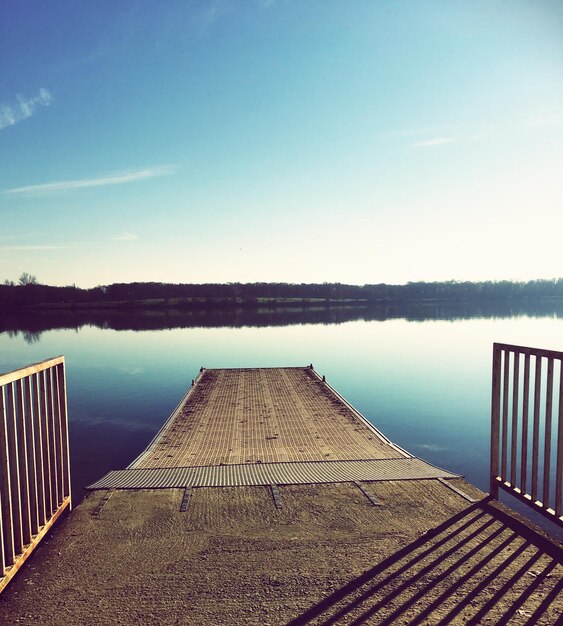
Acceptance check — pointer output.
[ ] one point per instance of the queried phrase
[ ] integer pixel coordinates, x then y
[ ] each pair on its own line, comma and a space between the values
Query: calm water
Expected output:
424, 383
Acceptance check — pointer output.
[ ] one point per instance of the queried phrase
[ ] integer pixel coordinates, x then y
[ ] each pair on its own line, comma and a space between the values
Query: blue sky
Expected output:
281, 140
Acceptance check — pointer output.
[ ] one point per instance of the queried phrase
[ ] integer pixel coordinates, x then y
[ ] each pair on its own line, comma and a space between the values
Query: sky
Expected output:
281, 140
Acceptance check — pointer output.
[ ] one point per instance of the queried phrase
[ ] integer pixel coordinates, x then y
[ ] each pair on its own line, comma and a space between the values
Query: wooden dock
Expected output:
267, 499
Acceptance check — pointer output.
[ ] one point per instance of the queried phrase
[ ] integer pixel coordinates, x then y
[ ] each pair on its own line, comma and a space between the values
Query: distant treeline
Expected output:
34, 294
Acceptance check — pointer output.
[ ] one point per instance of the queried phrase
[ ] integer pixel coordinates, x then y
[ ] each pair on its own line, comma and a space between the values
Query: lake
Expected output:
422, 378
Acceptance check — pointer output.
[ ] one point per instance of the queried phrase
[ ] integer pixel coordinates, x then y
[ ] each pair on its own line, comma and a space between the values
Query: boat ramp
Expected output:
266, 498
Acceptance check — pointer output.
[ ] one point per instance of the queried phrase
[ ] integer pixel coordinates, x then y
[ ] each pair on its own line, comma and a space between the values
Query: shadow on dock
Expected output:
480, 565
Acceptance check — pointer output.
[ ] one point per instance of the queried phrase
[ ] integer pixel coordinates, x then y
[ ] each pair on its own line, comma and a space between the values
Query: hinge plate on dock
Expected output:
186, 499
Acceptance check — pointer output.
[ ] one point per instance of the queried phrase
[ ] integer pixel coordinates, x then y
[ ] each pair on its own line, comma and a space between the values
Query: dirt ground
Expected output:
328, 556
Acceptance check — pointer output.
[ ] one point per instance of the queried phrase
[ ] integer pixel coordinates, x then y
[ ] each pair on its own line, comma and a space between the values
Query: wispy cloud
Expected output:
70, 245
125, 237
553, 119
436, 141
35, 247
21, 236
25, 107
431, 447
215, 12
412, 132
448, 133
133, 370
117, 178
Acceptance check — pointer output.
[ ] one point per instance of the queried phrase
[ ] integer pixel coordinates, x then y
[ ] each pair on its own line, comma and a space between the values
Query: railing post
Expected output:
22, 457
525, 412
5, 488
29, 419
514, 424
39, 461
547, 435
14, 465
52, 440
61, 378
495, 422
536, 428
45, 443
559, 466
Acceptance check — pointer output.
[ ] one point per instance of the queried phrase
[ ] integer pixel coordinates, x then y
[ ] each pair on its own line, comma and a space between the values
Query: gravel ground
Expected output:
424, 556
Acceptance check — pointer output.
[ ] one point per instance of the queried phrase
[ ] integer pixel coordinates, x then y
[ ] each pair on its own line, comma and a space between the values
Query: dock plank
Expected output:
263, 415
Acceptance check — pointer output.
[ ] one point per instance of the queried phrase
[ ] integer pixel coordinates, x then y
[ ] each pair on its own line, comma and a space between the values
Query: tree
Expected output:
28, 279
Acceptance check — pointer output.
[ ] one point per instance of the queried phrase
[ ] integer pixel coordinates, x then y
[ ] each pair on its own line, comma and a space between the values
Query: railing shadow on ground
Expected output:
480, 565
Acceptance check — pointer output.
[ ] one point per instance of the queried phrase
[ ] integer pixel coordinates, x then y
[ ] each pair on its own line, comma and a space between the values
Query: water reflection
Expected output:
32, 323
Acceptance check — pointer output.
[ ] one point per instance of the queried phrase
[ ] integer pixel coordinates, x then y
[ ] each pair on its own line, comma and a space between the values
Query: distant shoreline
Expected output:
32, 295
259, 303
197, 303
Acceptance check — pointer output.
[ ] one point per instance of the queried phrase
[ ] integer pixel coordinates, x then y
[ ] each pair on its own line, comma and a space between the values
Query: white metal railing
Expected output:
34, 459
527, 427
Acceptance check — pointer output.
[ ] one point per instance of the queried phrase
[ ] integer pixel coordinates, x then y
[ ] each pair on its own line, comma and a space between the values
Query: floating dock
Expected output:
266, 498
246, 427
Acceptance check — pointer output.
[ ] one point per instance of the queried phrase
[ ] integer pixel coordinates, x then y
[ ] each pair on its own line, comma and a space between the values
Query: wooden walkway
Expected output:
245, 509
261, 416
262, 426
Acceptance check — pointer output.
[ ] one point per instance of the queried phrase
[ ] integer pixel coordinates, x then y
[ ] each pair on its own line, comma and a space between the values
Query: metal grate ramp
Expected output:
289, 473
